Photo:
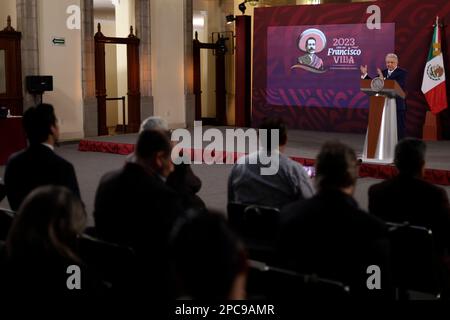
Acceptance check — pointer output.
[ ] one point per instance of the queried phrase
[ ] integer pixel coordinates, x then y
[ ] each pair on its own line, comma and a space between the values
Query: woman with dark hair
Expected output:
208, 260
42, 241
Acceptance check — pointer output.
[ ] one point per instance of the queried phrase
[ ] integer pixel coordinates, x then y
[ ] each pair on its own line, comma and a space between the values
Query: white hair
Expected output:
393, 56
154, 123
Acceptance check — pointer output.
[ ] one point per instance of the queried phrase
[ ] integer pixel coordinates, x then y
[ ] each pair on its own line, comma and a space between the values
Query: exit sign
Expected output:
58, 41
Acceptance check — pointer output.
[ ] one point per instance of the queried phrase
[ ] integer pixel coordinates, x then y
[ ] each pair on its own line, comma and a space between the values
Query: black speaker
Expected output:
3, 112
39, 84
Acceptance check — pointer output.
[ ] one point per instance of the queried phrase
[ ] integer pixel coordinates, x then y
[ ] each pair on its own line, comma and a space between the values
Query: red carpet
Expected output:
435, 176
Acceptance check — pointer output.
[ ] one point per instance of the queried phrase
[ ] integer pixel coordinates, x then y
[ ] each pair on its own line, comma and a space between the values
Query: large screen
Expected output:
307, 64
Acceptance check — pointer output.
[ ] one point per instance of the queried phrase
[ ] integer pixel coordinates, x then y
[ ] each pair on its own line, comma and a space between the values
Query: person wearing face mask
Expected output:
393, 72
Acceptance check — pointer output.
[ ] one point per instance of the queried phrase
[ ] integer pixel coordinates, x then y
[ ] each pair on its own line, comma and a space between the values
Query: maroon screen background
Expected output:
413, 31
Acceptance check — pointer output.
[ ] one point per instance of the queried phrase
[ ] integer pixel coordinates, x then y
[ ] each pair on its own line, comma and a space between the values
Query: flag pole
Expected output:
432, 130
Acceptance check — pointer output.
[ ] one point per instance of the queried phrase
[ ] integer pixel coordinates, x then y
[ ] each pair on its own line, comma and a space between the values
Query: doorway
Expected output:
133, 88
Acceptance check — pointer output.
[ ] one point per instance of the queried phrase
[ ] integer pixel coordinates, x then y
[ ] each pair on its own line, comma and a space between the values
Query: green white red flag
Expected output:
433, 84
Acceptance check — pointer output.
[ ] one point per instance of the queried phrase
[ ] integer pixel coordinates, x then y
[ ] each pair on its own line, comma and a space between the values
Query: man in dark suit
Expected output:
38, 165
407, 197
328, 234
393, 72
135, 207
182, 179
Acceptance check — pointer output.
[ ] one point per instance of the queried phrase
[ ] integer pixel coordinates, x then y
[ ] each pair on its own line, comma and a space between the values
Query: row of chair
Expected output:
415, 264
269, 282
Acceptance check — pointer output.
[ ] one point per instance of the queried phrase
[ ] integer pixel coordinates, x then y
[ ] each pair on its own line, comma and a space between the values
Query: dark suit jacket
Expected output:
136, 209
398, 75
187, 184
133, 207
36, 166
330, 236
412, 199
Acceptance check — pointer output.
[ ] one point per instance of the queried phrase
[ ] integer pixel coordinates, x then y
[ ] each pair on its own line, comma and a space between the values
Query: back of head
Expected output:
274, 124
207, 256
150, 142
336, 166
410, 156
38, 122
46, 225
154, 123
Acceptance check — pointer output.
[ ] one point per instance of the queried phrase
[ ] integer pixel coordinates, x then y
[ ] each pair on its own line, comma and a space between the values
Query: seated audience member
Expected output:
134, 206
246, 184
329, 235
182, 179
38, 164
42, 244
407, 197
208, 260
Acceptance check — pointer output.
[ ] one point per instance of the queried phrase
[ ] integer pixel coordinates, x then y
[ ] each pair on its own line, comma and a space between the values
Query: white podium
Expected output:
381, 135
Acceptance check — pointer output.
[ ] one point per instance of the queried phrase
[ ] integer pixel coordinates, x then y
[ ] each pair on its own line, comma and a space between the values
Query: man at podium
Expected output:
393, 72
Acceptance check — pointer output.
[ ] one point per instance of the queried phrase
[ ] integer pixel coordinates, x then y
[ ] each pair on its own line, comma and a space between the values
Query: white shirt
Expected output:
49, 146
390, 72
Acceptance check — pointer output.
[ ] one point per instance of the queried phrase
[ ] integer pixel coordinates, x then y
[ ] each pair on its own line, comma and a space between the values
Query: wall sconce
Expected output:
221, 40
242, 6
230, 18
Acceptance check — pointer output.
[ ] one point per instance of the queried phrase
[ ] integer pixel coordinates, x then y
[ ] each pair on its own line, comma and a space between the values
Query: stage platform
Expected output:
303, 146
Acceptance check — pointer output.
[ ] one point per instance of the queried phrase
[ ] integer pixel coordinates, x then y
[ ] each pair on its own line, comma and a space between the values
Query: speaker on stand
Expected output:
37, 85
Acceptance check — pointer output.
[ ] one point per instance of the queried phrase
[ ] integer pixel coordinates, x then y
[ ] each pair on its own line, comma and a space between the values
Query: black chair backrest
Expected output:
268, 282
6, 220
415, 265
113, 263
253, 221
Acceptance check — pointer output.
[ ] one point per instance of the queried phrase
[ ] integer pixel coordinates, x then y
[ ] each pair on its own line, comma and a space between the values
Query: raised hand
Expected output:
380, 73
363, 69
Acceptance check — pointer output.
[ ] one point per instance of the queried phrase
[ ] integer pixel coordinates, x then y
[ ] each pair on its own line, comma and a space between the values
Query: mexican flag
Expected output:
433, 84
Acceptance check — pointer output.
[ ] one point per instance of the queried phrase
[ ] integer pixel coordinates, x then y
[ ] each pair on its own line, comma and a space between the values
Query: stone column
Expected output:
27, 23
143, 32
90, 114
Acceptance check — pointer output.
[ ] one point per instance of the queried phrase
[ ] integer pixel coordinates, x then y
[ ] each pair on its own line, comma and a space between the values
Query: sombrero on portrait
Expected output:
319, 36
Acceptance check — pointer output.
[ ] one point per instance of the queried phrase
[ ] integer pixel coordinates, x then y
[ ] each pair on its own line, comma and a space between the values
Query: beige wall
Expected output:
168, 60
63, 63
8, 8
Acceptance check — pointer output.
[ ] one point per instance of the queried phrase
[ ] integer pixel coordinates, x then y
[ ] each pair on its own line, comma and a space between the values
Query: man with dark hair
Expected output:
182, 179
134, 207
38, 164
247, 185
329, 235
407, 197
143, 195
311, 58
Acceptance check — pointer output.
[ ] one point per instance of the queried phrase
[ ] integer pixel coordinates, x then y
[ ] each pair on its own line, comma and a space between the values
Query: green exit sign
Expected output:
58, 41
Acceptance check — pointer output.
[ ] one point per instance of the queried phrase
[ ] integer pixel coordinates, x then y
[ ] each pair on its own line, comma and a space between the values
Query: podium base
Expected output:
387, 136
377, 161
